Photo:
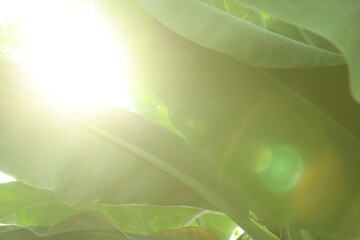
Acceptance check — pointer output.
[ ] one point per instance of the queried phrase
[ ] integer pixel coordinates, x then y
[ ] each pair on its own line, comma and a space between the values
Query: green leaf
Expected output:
145, 219
218, 224
86, 225
337, 22
298, 34
134, 27
91, 165
83, 229
231, 112
107, 159
133, 220
81, 226
235, 37
16, 233
16, 197
148, 106
238, 11
300, 234
189, 233
237, 114
27, 206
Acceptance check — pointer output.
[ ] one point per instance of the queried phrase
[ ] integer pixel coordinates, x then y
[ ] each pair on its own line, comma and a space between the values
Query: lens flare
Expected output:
322, 188
280, 168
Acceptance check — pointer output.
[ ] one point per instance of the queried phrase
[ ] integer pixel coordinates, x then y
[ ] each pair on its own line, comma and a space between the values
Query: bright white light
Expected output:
74, 61
6, 178
236, 233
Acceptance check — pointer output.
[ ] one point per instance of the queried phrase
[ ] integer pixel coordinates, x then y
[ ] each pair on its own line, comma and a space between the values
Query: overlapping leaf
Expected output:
110, 159
86, 157
25, 207
224, 108
235, 37
232, 111
335, 20
88, 232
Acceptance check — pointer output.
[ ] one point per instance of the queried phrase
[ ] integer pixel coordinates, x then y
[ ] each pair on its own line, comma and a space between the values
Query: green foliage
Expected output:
244, 117
236, 37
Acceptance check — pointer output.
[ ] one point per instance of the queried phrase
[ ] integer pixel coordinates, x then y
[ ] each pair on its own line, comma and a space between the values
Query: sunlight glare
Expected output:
238, 231
74, 61
6, 178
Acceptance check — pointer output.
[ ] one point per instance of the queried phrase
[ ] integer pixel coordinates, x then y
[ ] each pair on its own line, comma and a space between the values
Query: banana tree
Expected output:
244, 115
